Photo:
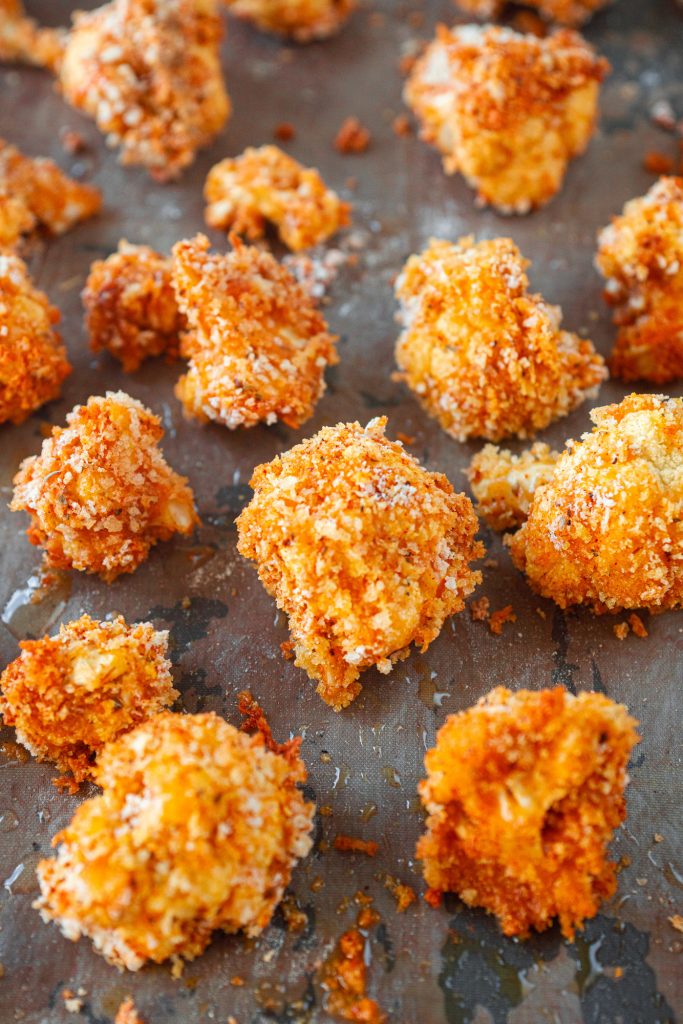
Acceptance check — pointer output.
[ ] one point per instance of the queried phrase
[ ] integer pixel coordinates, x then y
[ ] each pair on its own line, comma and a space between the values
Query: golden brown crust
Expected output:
524, 792
365, 551
302, 20
566, 12
504, 484
607, 531
198, 828
100, 493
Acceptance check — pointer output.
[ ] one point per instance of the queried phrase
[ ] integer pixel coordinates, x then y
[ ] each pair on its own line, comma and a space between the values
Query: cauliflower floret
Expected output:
303, 20
504, 484
566, 12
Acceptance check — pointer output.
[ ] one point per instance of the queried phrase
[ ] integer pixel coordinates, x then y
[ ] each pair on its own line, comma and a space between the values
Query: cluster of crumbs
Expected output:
302, 20
265, 184
523, 793
566, 12
641, 256
503, 484
198, 828
257, 345
69, 694
21, 39
365, 551
344, 975
100, 493
484, 356
128, 1014
508, 111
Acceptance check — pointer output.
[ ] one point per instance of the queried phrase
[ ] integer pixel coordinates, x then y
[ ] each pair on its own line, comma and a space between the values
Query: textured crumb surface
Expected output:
198, 828
523, 793
365, 551
302, 20
504, 484
565, 12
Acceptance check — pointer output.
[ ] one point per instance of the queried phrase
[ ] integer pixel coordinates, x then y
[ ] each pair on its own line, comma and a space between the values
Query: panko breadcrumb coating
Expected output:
257, 345
566, 12
524, 791
33, 360
641, 255
504, 484
507, 110
265, 184
130, 304
607, 530
101, 494
21, 39
484, 356
365, 551
302, 20
68, 695
198, 828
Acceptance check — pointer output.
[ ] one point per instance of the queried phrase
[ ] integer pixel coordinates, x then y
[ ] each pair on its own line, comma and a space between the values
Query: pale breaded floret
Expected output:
607, 530
100, 493
33, 360
148, 72
302, 20
566, 12
68, 695
130, 305
484, 356
641, 256
524, 791
21, 39
507, 110
266, 184
257, 345
504, 484
365, 551
198, 828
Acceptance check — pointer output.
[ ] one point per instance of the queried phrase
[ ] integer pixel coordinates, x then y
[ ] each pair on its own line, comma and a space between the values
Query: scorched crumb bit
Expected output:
350, 844
566, 12
352, 137
130, 305
128, 1014
504, 484
100, 493
523, 792
484, 356
365, 551
68, 695
303, 20
507, 110
257, 345
607, 530
33, 360
641, 256
198, 828
265, 184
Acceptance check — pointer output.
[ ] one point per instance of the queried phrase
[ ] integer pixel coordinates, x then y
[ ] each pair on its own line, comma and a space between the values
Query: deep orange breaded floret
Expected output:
68, 695
365, 551
33, 360
566, 12
641, 256
504, 484
484, 356
507, 110
198, 828
607, 530
524, 791
101, 494
130, 305
265, 184
302, 20
257, 345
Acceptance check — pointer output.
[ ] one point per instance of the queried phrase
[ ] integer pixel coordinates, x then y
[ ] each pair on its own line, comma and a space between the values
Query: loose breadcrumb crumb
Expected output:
403, 894
22, 39
566, 12
498, 619
302, 20
620, 630
504, 484
479, 609
676, 921
637, 626
348, 844
127, 1013
352, 137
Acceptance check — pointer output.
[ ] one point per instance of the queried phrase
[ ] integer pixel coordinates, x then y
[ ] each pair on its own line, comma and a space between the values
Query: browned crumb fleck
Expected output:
352, 137
498, 619
479, 609
326, 811
620, 630
287, 648
352, 845
127, 1013
402, 126
403, 894
325, 757
72, 141
285, 131
618, 972
637, 625
295, 918
255, 722
658, 163
405, 438
317, 884
237, 981
658, 838
676, 921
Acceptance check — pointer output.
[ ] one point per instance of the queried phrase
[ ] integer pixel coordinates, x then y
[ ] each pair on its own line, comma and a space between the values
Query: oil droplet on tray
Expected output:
33, 608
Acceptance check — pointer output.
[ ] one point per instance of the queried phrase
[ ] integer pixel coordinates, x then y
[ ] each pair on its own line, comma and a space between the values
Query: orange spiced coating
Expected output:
130, 304
484, 356
302, 20
566, 12
265, 184
68, 695
33, 360
524, 791
100, 493
198, 828
257, 345
504, 484
641, 256
607, 530
365, 551
508, 111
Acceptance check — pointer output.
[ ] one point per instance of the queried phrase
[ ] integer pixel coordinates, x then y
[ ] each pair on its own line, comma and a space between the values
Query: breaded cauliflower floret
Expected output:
101, 494
266, 184
504, 484
302, 20
130, 304
198, 828
257, 345
21, 39
524, 791
507, 110
68, 695
33, 360
566, 12
607, 530
641, 255
484, 356
365, 551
